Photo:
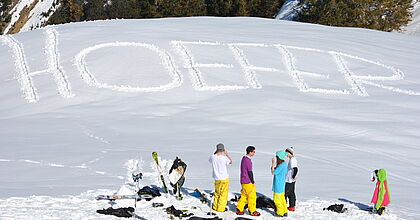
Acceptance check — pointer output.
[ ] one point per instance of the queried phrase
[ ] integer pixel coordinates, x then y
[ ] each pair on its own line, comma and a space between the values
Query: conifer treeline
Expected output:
4, 15
81, 10
384, 15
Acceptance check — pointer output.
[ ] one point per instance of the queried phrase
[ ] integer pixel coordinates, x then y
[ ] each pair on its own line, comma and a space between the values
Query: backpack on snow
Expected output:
265, 202
336, 208
147, 190
119, 212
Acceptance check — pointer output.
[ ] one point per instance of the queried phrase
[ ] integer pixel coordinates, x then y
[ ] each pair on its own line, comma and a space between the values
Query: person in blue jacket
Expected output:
279, 184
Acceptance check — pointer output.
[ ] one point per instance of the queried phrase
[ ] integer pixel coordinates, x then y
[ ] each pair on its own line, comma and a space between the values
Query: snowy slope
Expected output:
413, 27
27, 14
288, 11
80, 102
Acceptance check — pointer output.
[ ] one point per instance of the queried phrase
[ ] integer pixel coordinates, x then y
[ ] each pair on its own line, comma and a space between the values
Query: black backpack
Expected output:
119, 212
147, 190
265, 202
336, 208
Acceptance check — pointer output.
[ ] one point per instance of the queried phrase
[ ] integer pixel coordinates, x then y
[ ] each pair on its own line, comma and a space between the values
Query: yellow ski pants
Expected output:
248, 194
221, 189
280, 202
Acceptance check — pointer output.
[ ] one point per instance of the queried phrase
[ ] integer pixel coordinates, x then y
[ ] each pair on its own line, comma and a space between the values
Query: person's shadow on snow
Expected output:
359, 205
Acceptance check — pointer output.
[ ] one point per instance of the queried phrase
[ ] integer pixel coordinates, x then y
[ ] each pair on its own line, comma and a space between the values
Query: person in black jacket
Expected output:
291, 179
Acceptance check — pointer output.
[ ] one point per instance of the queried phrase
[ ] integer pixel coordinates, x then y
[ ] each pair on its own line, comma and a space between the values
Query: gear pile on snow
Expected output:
171, 210
119, 212
147, 190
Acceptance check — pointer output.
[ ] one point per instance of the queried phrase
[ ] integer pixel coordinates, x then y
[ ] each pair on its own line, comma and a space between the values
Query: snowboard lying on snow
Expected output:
115, 197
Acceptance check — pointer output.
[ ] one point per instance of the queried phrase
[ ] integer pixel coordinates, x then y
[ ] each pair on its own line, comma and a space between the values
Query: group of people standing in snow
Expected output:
284, 178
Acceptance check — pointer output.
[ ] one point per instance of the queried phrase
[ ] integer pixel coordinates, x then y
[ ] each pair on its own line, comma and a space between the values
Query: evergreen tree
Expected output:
385, 15
263, 8
123, 9
69, 11
78, 10
4, 15
226, 8
239, 8
94, 10
148, 9
184, 8
219, 7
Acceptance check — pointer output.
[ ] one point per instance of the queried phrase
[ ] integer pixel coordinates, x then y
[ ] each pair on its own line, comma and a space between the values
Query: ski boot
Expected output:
255, 213
239, 212
380, 211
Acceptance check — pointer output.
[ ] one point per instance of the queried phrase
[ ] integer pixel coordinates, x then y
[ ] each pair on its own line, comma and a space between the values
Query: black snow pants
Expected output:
290, 194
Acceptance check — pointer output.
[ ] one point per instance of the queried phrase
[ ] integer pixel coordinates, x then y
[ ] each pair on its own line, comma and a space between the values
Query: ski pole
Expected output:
211, 204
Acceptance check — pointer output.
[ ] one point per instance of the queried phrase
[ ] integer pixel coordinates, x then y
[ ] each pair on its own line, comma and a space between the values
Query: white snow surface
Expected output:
83, 105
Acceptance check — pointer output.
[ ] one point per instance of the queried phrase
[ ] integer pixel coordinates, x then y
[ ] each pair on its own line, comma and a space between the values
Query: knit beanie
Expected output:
290, 150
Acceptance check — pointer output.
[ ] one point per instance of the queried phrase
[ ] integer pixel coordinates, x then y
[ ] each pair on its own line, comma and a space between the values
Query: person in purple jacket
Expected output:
249, 191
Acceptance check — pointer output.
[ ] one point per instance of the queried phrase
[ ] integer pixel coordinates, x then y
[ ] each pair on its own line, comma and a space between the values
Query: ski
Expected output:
155, 156
115, 197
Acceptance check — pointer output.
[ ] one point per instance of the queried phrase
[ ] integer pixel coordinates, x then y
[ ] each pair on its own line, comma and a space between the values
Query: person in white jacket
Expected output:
219, 164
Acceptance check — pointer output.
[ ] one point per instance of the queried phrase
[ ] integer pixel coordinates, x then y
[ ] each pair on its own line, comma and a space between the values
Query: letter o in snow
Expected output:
167, 62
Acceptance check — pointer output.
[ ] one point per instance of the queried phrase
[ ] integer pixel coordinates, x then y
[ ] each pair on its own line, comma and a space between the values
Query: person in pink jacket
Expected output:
381, 196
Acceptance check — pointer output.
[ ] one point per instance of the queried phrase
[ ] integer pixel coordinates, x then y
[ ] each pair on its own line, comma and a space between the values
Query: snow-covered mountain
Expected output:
413, 27
30, 14
288, 11
83, 105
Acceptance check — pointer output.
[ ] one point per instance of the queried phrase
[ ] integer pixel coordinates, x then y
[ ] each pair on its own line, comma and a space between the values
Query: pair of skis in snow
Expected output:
115, 197
156, 158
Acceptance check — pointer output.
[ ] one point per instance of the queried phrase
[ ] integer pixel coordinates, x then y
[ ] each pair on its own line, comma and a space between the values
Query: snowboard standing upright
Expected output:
155, 156
176, 176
